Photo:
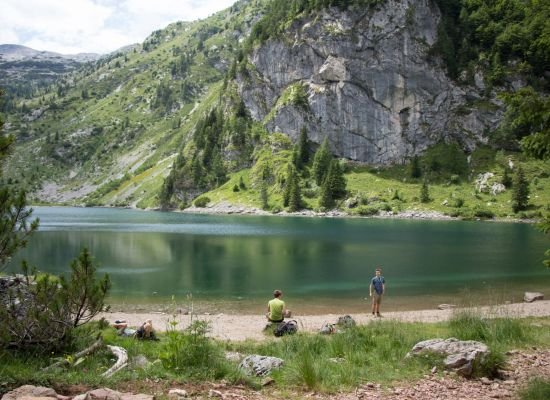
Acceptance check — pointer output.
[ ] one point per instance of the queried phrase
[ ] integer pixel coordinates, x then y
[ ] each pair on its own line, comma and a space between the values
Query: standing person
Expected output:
276, 308
378, 283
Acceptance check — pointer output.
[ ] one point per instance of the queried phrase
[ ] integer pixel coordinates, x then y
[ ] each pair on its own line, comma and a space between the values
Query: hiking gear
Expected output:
286, 328
328, 329
346, 321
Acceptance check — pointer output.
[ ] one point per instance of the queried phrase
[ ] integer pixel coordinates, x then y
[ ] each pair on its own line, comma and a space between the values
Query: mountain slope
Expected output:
198, 102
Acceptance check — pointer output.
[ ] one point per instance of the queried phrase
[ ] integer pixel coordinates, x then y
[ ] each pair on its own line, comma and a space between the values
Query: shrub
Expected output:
236, 188
367, 211
459, 202
192, 352
202, 201
480, 213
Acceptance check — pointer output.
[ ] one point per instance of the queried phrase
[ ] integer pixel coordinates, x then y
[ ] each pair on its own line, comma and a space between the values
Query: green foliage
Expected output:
415, 170
424, 192
303, 148
544, 227
484, 214
202, 201
538, 388
520, 194
444, 160
334, 185
192, 353
321, 162
15, 224
43, 311
292, 197
83, 295
526, 123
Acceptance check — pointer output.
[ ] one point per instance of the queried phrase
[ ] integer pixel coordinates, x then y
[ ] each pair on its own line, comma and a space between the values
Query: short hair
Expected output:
378, 269
277, 293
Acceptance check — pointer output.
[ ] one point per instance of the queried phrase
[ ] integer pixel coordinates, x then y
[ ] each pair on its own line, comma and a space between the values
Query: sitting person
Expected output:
146, 331
276, 310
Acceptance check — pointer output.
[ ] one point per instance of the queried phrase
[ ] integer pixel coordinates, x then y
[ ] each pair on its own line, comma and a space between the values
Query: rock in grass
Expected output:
260, 365
530, 297
461, 354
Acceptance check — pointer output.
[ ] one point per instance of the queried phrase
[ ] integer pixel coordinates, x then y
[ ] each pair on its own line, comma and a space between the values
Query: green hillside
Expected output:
163, 123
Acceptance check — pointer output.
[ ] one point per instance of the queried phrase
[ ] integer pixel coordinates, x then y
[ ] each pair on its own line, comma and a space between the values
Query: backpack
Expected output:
286, 328
327, 329
346, 321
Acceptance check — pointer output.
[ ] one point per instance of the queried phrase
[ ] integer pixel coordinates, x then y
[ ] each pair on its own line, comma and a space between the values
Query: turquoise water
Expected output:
233, 263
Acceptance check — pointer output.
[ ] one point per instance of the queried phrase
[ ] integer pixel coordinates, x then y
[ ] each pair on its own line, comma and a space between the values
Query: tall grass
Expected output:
536, 389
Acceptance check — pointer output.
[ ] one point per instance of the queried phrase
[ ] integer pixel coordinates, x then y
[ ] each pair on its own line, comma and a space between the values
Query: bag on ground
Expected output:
286, 328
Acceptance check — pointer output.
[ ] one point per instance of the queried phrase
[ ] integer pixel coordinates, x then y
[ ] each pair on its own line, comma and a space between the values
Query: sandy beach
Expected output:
243, 327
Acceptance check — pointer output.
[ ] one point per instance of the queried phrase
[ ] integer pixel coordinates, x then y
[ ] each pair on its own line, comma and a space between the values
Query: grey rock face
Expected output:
372, 87
260, 365
461, 354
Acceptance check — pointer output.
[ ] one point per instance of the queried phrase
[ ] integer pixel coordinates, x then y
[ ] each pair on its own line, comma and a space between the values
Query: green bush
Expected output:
445, 160
202, 201
367, 211
192, 353
480, 213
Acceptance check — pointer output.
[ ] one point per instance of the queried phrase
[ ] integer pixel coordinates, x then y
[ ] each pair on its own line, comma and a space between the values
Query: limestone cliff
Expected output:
371, 83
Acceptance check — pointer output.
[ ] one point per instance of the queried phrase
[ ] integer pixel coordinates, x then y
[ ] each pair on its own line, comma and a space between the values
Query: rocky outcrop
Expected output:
372, 85
461, 354
260, 365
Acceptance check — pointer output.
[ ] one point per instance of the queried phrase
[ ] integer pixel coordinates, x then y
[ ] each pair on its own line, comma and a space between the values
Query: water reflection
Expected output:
153, 256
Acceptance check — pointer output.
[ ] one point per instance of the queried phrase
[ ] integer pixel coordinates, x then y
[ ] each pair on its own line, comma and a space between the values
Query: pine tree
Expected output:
415, 170
425, 192
337, 181
506, 178
14, 214
303, 148
321, 162
290, 177
520, 193
295, 201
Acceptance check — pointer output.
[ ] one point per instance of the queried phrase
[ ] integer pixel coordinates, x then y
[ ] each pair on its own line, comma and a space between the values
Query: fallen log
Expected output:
85, 352
122, 360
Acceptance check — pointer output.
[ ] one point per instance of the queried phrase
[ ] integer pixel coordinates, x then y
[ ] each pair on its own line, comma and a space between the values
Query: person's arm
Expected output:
370, 289
383, 288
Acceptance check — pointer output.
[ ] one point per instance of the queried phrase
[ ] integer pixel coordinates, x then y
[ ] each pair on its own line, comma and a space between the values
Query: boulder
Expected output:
530, 297
30, 392
260, 365
461, 354
177, 394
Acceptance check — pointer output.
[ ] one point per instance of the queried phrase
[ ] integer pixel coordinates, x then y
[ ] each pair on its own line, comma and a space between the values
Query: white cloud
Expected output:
97, 26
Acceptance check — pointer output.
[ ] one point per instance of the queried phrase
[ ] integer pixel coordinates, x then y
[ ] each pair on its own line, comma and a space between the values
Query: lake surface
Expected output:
160, 261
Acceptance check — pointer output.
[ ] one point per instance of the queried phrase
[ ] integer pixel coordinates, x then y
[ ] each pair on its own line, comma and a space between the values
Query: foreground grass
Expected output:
372, 353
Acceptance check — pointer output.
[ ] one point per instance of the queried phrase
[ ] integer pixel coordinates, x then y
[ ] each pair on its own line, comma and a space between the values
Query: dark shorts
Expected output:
276, 322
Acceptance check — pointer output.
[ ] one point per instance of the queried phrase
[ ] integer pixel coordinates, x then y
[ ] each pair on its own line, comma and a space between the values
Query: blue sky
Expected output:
94, 26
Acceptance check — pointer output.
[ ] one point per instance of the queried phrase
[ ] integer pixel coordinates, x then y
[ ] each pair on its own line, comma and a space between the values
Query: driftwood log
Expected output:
122, 360
98, 343
119, 352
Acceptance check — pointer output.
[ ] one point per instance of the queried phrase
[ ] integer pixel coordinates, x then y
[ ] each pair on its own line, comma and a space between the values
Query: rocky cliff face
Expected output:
372, 87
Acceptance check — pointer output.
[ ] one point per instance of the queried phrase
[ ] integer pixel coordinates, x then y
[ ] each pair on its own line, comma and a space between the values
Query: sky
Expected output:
94, 26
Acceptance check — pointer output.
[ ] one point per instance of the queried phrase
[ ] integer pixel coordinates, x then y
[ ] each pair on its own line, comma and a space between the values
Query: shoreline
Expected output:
225, 208
249, 326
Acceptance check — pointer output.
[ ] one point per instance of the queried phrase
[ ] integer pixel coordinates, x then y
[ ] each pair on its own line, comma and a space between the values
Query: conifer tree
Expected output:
321, 162
264, 196
425, 192
336, 180
520, 193
15, 226
303, 149
506, 178
415, 170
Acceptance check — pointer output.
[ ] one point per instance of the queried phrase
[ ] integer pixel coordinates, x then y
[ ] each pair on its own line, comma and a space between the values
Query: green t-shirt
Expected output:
276, 307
